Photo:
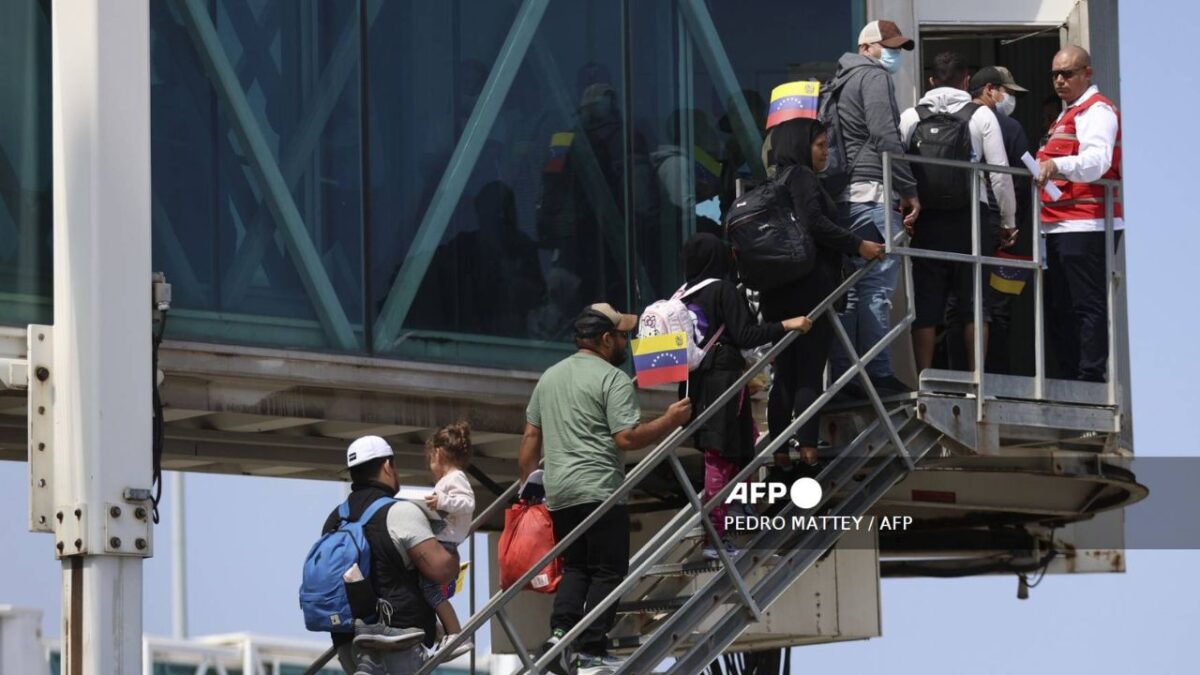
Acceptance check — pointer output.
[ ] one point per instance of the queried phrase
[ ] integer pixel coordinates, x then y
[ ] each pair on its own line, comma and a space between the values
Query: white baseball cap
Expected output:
367, 448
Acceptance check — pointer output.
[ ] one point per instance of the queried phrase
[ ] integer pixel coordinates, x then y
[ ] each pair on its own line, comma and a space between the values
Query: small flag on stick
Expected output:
1010, 280
661, 359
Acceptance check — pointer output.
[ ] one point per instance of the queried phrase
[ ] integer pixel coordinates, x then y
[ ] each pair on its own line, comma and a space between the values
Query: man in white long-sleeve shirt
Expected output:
1083, 146
950, 229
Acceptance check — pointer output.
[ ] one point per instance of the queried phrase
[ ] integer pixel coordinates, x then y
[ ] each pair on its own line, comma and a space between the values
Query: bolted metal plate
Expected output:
70, 531
40, 429
127, 530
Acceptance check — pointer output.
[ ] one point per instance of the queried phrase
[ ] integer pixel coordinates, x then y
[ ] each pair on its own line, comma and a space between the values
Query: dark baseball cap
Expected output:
601, 317
997, 76
886, 33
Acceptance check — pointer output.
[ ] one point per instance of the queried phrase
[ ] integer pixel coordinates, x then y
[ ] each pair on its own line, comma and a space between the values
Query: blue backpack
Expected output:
323, 595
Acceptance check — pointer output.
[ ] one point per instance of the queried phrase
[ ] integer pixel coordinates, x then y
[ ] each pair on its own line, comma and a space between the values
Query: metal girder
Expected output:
716, 60
259, 227
274, 186
595, 187
458, 171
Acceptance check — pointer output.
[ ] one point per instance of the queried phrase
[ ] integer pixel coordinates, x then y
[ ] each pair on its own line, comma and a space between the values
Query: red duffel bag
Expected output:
528, 535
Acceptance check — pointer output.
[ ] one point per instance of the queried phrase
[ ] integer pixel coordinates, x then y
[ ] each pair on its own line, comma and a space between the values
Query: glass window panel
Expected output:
26, 203
229, 252
540, 227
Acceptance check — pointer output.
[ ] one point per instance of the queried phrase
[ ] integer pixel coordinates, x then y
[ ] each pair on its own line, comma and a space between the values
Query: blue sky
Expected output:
247, 537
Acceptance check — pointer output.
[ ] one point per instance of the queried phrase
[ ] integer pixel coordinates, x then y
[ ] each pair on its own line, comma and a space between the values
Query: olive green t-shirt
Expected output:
579, 403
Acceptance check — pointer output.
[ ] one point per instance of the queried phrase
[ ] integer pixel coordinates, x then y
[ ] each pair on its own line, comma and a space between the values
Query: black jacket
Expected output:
390, 578
731, 430
816, 211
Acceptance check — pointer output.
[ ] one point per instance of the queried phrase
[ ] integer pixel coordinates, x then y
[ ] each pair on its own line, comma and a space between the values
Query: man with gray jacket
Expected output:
869, 121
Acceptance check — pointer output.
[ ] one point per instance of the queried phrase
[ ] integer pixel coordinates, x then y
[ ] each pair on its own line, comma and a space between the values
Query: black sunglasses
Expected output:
1064, 74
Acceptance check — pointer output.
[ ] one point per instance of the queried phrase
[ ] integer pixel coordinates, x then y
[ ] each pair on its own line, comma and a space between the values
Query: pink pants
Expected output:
718, 471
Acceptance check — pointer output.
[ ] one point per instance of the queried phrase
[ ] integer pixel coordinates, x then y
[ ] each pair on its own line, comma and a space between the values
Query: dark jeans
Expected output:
799, 371
1077, 304
592, 568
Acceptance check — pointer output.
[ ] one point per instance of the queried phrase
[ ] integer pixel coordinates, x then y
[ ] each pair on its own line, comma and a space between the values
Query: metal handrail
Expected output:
687, 518
666, 449
1038, 265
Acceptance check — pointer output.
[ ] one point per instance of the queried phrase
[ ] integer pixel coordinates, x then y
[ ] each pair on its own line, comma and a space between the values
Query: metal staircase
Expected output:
708, 621
673, 604
739, 589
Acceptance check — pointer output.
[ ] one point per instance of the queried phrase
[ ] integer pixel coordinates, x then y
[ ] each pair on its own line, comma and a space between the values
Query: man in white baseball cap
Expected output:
403, 546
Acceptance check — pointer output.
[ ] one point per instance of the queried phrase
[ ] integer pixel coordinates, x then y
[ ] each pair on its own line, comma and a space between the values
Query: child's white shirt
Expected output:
457, 501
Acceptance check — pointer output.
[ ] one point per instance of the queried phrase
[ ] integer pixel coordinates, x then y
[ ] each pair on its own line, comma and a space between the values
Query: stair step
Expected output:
653, 606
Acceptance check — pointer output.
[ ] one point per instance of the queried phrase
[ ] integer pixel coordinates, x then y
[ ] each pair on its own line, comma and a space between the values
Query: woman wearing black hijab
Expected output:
727, 439
797, 150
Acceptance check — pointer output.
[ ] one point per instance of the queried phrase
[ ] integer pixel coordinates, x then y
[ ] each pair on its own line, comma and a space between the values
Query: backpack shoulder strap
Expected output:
924, 111
967, 111
374, 508
684, 291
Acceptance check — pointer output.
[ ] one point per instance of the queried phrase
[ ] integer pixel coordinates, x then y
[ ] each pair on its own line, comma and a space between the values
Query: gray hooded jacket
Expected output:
870, 122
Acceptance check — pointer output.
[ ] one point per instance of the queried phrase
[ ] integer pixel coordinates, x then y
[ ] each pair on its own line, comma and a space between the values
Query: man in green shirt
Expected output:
583, 415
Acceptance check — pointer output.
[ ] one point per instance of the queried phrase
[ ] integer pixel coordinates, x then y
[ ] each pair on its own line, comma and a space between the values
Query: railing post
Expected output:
887, 203
977, 291
1039, 292
1110, 287
711, 531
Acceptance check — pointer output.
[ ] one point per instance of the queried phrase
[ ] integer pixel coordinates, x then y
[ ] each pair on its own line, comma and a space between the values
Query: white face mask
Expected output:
1007, 105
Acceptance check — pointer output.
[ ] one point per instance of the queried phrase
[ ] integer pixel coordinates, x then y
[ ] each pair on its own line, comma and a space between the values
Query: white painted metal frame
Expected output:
101, 375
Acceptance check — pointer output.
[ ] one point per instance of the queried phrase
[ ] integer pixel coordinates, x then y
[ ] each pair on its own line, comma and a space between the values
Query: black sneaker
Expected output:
890, 386
561, 665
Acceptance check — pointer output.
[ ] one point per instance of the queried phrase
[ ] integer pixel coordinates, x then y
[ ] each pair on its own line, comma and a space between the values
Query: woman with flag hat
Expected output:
796, 149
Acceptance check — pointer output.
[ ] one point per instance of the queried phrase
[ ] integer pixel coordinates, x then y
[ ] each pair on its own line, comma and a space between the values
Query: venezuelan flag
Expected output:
661, 359
559, 144
793, 100
708, 171
1010, 280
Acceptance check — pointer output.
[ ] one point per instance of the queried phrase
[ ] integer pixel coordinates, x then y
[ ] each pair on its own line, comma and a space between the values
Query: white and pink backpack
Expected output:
672, 316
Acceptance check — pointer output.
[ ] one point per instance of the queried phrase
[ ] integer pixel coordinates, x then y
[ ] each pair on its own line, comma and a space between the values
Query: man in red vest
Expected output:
1083, 145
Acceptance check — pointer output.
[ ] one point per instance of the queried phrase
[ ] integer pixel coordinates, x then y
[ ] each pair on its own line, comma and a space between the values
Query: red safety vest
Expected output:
1080, 201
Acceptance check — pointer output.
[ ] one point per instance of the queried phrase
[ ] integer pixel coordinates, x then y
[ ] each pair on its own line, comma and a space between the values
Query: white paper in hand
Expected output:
1051, 189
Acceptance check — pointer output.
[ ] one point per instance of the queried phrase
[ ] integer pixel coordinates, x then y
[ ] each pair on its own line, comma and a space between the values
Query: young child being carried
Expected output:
449, 452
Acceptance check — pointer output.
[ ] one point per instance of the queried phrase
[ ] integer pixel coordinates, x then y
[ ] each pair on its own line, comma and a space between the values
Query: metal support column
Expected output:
179, 613
100, 374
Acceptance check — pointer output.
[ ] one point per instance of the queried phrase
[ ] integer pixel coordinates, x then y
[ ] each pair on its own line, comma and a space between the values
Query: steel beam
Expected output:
449, 191
101, 377
259, 227
708, 41
266, 170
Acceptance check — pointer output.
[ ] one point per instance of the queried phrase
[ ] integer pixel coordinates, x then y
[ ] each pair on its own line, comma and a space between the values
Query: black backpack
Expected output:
838, 167
770, 245
942, 135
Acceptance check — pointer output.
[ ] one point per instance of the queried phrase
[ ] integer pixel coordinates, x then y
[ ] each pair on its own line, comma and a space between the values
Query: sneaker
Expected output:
562, 664
457, 651
368, 662
710, 552
380, 637
889, 386
591, 664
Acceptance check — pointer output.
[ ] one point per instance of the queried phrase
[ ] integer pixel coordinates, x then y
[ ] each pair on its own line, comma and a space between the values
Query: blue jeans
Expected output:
869, 302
